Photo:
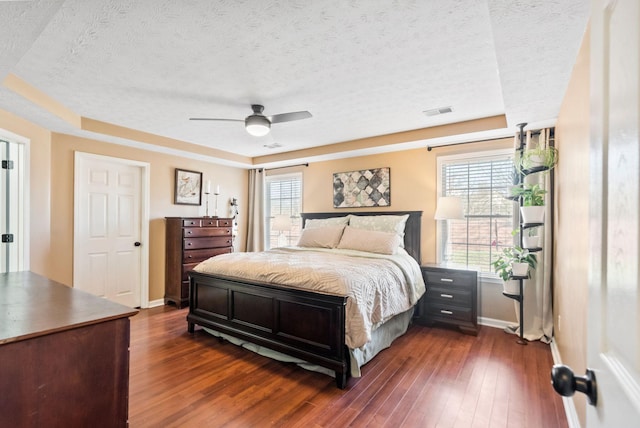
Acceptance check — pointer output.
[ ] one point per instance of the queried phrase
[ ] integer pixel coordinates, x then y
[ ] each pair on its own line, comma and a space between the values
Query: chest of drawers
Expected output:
451, 297
190, 240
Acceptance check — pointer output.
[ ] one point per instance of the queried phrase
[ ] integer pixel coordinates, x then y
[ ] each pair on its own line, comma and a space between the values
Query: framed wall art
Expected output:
364, 188
188, 187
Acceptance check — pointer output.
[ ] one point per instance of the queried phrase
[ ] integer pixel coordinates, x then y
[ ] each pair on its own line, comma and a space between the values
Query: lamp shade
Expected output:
257, 125
449, 208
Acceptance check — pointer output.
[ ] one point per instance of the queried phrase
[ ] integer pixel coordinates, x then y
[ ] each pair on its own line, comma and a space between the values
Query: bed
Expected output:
306, 325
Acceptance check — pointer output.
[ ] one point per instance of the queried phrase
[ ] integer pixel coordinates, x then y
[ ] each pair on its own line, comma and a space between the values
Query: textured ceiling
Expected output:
361, 67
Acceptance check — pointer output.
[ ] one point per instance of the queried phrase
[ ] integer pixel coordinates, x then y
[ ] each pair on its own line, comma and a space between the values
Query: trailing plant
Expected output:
538, 156
532, 195
503, 264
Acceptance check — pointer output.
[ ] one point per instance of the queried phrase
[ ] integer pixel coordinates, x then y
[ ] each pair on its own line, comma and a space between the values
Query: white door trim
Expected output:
145, 167
25, 254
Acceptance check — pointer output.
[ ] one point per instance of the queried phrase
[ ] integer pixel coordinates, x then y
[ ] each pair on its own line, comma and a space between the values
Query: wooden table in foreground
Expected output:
64, 355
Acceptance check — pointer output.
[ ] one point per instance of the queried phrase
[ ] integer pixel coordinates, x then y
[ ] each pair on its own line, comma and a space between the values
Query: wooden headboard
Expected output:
412, 229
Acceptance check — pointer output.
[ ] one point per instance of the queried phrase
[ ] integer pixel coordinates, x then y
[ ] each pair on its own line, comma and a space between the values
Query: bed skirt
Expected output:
381, 338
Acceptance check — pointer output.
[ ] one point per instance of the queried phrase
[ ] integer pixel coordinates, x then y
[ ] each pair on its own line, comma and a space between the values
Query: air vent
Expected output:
272, 146
437, 111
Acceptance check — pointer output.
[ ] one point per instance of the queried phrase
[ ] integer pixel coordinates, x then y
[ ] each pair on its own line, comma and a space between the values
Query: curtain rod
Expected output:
536, 132
281, 167
429, 148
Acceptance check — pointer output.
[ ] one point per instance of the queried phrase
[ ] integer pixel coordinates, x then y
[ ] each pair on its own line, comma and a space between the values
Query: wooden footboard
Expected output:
303, 324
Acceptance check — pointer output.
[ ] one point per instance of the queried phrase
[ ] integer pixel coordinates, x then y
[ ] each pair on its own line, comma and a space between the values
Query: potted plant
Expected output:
532, 208
538, 159
513, 262
530, 238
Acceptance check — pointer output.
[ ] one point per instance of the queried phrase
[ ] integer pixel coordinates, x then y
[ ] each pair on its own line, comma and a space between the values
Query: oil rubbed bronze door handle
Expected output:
566, 383
137, 244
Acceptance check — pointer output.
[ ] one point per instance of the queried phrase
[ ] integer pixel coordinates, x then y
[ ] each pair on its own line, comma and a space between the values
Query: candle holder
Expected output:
206, 201
215, 212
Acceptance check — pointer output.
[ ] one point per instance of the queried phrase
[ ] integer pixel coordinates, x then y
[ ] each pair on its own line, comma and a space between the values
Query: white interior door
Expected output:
109, 249
614, 291
12, 206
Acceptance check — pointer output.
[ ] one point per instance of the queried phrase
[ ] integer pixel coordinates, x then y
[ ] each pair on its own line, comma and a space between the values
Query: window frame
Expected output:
267, 204
462, 158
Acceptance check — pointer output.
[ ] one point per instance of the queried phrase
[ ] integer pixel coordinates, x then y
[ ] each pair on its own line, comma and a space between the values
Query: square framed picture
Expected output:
188, 187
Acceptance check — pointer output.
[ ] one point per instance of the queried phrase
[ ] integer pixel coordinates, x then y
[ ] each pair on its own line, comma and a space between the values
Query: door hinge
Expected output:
7, 164
7, 237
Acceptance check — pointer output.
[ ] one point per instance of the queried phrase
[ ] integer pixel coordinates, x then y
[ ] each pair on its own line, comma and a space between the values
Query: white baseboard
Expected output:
155, 303
569, 406
492, 322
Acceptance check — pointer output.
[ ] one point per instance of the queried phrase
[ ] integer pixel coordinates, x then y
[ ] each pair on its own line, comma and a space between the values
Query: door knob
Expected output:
566, 383
137, 244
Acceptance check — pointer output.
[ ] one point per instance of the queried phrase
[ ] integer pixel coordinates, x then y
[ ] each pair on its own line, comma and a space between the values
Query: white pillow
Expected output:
321, 237
369, 240
322, 222
381, 223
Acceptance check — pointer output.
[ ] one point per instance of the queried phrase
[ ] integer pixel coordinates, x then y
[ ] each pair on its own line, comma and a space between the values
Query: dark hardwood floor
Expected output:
429, 377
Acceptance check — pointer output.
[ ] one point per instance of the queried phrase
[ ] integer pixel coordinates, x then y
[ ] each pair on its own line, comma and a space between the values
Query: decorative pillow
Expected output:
368, 240
322, 222
381, 223
321, 237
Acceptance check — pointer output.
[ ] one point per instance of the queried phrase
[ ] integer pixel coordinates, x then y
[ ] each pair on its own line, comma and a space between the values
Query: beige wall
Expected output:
39, 146
571, 222
232, 181
413, 187
51, 169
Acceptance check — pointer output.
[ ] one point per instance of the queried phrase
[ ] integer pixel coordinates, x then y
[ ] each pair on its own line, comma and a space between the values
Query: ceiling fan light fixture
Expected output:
257, 125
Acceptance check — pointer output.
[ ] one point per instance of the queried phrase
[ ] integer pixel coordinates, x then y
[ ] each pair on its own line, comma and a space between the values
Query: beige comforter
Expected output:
379, 286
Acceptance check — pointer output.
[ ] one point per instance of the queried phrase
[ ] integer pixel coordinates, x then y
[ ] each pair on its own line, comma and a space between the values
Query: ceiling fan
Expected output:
258, 124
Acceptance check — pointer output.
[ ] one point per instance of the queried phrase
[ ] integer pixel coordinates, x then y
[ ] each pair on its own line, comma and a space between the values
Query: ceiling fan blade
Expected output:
288, 117
222, 120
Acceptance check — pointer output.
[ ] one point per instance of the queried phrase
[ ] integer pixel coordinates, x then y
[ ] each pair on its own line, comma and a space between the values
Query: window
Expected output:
283, 207
481, 181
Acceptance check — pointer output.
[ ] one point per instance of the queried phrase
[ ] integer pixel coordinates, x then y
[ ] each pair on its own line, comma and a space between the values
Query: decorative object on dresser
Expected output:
188, 242
187, 187
451, 297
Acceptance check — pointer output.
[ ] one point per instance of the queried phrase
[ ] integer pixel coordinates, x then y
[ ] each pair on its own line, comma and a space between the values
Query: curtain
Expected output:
538, 310
255, 205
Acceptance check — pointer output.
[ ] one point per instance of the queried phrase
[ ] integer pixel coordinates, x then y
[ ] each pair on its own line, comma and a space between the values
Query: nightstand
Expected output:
451, 298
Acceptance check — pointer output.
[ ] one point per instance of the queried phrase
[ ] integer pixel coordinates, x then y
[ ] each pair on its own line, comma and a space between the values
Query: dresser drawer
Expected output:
213, 242
196, 256
191, 222
449, 296
449, 278
186, 268
216, 222
194, 232
442, 312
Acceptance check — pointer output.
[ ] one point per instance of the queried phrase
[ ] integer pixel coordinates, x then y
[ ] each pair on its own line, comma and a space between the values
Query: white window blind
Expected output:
283, 208
481, 181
